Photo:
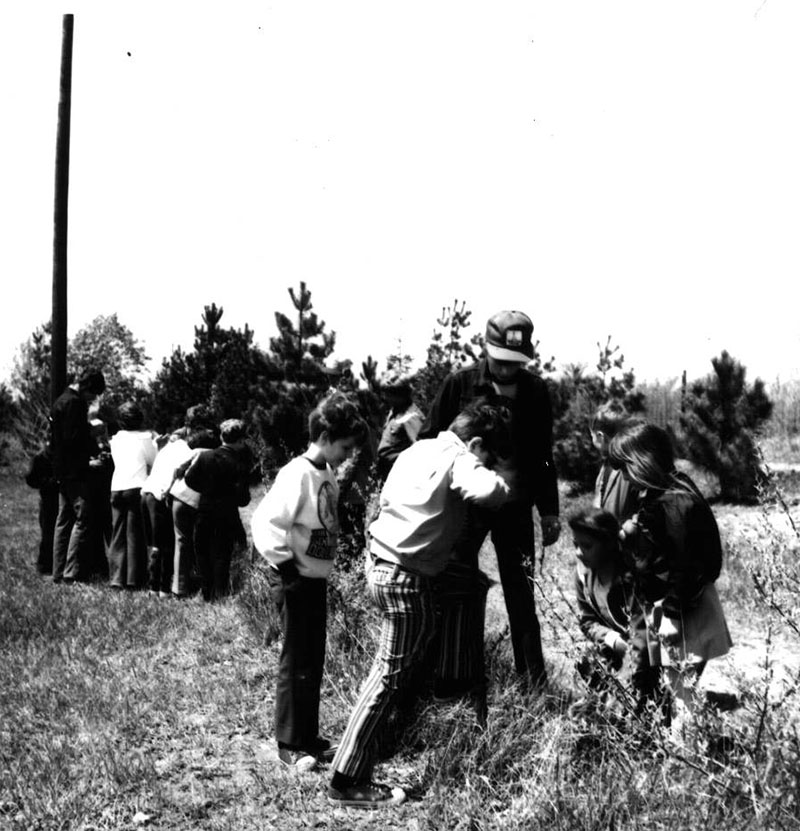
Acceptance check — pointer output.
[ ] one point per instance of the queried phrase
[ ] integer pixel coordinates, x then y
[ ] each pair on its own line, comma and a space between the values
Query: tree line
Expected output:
273, 390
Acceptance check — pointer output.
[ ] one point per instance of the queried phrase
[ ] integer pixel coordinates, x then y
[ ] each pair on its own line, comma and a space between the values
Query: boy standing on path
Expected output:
500, 378
422, 507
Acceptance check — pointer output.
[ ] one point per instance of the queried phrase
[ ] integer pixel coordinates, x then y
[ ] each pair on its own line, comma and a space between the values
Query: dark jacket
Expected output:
531, 427
220, 477
678, 549
72, 440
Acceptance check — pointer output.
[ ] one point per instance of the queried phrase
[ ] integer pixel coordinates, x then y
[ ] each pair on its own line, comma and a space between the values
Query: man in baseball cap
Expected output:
500, 376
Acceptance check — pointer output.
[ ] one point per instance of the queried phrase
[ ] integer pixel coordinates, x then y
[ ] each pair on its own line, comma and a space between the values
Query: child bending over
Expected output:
422, 507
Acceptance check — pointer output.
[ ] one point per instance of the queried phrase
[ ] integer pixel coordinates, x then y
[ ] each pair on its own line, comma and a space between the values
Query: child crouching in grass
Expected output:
295, 530
422, 508
675, 552
601, 594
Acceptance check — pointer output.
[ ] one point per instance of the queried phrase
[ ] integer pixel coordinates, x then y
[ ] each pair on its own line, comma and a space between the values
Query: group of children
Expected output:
172, 504
648, 555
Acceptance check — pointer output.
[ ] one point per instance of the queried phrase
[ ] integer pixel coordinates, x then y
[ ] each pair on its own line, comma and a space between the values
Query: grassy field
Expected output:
123, 711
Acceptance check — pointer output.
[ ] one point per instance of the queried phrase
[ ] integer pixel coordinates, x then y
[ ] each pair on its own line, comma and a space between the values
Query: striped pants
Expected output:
406, 603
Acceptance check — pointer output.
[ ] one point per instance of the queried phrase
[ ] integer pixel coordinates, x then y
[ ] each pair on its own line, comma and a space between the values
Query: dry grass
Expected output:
126, 711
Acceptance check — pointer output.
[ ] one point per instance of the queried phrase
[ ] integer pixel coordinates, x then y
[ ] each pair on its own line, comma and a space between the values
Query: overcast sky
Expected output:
624, 168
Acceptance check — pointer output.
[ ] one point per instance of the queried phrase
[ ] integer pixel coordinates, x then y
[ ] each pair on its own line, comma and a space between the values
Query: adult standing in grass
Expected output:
73, 449
133, 451
295, 529
500, 377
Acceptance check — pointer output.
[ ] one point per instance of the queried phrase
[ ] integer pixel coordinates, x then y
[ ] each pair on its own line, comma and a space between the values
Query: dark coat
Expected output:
531, 427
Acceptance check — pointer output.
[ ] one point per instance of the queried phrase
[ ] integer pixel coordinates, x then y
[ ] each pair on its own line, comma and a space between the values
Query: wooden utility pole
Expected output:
58, 359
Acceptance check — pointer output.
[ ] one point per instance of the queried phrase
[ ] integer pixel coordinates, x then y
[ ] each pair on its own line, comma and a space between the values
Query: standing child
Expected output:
133, 451
423, 506
674, 544
220, 477
295, 529
612, 492
159, 531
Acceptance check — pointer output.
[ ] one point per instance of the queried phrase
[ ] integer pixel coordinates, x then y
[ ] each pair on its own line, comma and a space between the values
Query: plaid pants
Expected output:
406, 603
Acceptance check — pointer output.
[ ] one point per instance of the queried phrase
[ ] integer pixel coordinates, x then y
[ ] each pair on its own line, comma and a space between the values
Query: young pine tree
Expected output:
721, 415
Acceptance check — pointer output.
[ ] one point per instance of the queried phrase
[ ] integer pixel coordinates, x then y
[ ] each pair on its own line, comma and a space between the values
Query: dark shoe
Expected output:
299, 759
366, 795
321, 749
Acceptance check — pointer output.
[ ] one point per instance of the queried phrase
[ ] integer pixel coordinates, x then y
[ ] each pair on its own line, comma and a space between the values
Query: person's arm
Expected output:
477, 484
274, 517
593, 625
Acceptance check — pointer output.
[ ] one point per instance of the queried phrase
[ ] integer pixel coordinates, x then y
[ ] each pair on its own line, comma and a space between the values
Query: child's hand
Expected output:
669, 632
630, 528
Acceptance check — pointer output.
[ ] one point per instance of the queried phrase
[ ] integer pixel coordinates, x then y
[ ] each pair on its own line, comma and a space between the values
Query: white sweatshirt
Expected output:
423, 502
297, 519
133, 452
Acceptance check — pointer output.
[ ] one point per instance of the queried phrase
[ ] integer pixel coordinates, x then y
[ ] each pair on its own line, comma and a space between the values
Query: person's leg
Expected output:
149, 521
164, 540
80, 538
204, 545
512, 535
63, 529
184, 518
117, 550
457, 649
48, 514
225, 541
134, 538
461, 607
406, 607
302, 604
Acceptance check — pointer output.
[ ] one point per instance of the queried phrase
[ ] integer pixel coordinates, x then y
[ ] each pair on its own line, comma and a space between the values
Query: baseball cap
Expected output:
508, 337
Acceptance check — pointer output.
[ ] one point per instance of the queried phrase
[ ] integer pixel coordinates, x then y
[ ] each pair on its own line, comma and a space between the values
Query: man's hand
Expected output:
551, 529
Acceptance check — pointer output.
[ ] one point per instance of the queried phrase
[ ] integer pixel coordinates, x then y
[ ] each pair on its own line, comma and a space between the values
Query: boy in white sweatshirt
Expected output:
422, 508
295, 529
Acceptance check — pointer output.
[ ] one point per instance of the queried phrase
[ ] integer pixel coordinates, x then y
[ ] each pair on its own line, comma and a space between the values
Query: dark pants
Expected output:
511, 528
127, 552
159, 535
302, 604
48, 513
184, 518
215, 534
73, 528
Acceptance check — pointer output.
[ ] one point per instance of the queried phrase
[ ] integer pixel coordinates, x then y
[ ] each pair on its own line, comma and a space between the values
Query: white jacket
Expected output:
423, 502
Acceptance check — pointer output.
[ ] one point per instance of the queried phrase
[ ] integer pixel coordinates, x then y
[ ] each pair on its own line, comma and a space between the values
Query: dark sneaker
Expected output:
301, 760
366, 795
